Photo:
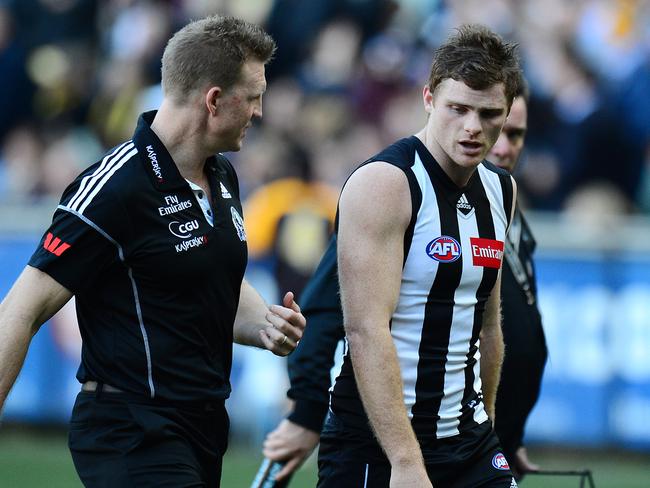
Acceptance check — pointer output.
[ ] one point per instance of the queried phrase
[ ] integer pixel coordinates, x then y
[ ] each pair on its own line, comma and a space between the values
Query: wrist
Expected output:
309, 414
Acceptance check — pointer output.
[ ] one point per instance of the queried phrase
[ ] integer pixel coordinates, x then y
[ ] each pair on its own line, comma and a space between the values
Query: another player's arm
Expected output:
374, 212
491, 348
276, 328
309, 371
33, 299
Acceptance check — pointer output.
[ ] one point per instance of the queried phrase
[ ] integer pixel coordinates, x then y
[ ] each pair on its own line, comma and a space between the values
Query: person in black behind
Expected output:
309, 367
151, 242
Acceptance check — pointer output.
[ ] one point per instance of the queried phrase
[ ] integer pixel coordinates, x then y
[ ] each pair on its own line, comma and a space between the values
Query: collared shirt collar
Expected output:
157, 161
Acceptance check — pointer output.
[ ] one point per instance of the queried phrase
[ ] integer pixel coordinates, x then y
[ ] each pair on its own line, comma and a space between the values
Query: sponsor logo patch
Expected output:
154, 163
444, 249
500, 462
183, 229
173, 205
54, 245
238, 222
486, 252
189, 244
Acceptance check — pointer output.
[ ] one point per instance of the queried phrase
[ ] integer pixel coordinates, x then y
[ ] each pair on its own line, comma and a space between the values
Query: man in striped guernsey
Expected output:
420, 240
151, 242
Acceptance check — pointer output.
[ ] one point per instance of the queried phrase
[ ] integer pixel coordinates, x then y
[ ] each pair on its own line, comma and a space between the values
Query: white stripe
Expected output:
365, 481
145, 338
492, 184
460, 333
417, 278
106, 177
90, 179
480, 415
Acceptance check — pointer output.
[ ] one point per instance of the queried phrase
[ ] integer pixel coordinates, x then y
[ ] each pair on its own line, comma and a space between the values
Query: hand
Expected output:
521, 464
285, 327
409, 477
291, 443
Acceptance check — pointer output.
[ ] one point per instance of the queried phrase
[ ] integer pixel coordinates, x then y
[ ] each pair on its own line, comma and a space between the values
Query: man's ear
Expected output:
213, 99
427, 98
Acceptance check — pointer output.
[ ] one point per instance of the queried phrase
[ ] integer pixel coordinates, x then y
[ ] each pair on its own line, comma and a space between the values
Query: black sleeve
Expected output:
81, 241
311, 362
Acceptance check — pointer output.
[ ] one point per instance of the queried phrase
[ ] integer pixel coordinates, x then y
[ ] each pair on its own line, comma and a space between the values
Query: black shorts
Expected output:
348, 460
118, 440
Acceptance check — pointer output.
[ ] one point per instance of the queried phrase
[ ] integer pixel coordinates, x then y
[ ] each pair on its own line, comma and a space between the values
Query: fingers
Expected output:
293, 464
288, 302
276, 341
284, 325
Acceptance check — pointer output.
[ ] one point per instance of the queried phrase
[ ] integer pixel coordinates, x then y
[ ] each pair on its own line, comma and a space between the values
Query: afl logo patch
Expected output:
238, 222
500, 462
444, 249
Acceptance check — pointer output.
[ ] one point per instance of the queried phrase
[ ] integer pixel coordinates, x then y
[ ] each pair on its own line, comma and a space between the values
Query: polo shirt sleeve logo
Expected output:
54, 245
238, 222
486, 252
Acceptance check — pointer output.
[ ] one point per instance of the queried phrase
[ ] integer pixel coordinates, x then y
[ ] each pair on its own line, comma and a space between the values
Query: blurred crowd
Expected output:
346, 81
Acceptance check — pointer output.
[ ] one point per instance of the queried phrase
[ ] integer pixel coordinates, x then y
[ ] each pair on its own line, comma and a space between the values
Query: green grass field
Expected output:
32, 459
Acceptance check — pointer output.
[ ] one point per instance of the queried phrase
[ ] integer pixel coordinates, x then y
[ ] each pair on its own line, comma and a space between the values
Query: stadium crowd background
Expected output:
346, 81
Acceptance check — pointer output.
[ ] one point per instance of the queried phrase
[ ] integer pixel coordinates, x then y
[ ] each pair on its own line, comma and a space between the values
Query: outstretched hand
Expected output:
285, 326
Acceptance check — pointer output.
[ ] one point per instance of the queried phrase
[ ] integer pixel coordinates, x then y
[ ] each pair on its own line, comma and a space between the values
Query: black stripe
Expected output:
416, 202
507, 190
438, 315
485, 225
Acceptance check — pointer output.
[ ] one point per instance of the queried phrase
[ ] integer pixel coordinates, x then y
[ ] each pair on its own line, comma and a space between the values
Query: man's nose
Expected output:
472, 123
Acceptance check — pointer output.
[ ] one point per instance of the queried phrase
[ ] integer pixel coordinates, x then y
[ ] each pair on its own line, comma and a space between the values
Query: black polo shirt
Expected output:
157, 287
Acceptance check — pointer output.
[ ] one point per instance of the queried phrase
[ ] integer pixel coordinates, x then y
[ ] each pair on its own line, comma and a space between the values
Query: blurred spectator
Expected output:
342, 85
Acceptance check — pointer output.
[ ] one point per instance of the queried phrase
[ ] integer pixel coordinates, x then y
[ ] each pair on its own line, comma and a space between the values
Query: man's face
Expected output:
239, 105
506, 151
464, 123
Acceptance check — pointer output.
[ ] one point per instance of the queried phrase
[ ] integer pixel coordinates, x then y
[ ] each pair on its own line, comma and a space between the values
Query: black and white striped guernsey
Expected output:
453, 251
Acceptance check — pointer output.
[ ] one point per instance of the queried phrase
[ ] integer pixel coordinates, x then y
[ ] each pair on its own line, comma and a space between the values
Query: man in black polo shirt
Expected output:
309, 368
151, 242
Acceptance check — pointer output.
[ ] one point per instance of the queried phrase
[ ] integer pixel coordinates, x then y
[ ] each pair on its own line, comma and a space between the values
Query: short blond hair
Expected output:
212, 51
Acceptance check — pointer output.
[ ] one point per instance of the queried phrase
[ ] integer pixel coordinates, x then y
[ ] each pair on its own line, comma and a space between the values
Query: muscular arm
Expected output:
491, 348
374, 212
32, 300
257, 324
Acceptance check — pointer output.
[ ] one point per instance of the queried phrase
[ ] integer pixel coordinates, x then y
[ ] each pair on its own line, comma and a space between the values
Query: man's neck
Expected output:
459, 175
179, 130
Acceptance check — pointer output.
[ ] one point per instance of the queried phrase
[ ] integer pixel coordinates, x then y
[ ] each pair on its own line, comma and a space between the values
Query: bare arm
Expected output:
374, 212
491, 348
276, 328
33, 299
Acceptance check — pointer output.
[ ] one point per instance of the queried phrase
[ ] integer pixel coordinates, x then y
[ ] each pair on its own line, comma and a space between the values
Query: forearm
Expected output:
492, 351
380, 386
32, 300
251, 317
15, 336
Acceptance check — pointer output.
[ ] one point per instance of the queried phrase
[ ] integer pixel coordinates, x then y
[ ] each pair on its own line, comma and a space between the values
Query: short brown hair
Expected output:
212, 50
479, 58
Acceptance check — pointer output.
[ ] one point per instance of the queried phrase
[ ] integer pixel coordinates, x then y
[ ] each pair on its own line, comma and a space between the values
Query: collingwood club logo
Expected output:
463, 205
